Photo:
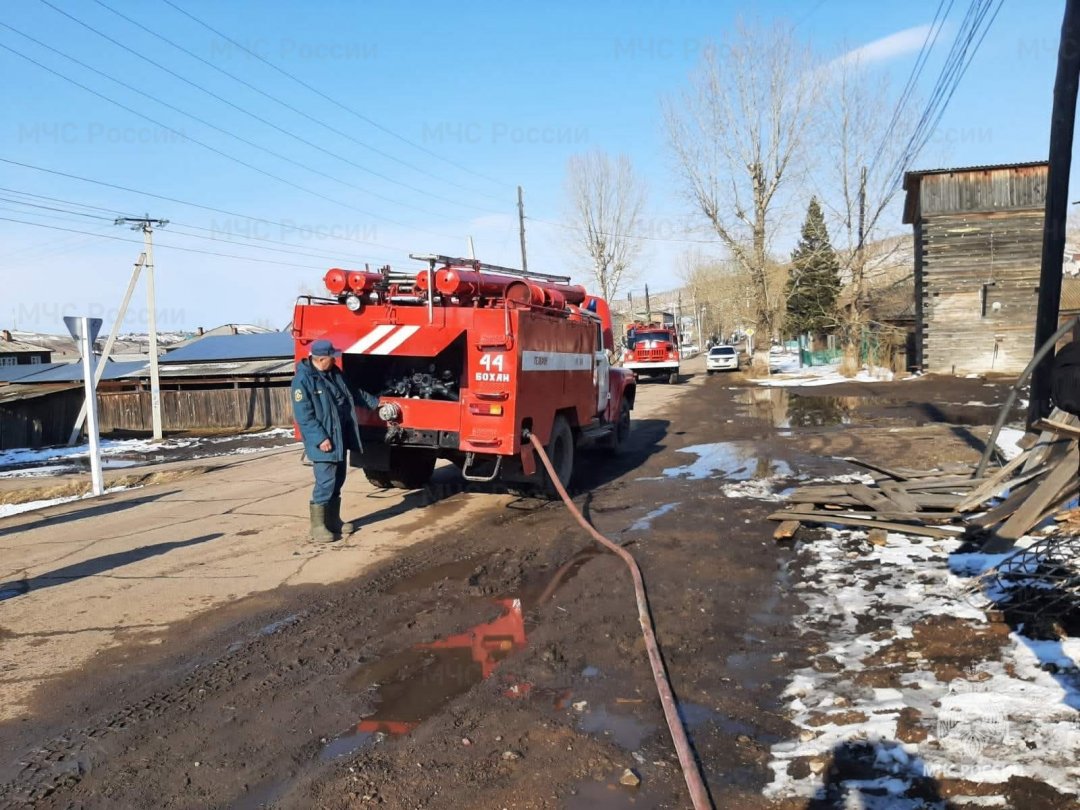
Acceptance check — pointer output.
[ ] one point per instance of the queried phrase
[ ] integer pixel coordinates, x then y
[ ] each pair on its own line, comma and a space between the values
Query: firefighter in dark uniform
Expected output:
325, 411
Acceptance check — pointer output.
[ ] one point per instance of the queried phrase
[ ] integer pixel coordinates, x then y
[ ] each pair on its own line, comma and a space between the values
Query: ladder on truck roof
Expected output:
433, 259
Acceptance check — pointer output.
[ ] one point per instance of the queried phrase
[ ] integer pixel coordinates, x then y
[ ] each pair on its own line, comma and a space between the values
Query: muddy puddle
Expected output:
417, 683
623, 728
735, 461
787, 410
607, 796
784, 409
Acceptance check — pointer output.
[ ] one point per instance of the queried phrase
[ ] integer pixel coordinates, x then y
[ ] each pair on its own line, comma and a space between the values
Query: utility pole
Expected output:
860, 260
521, 229
678, 314
146, 225
1062, 122
648, 306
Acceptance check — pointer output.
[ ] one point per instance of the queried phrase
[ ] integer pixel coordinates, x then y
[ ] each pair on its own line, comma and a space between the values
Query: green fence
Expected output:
823, 357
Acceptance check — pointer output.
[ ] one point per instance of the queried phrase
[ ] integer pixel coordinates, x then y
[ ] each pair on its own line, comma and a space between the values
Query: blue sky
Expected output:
477, 98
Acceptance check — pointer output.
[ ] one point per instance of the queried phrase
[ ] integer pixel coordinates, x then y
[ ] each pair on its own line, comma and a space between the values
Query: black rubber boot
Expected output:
333, 519
319, 532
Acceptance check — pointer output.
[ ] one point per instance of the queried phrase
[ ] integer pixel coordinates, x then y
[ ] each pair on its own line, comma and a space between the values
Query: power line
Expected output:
222, 130
808, 14
929, 41
50, 208
171, 247
225, 101
213, 149
333, 101
235, 107
288, 106
322, 255
178, 201
948, 79
671, 240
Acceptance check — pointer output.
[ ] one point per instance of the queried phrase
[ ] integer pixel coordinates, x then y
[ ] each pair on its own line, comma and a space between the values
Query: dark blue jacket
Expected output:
317, 415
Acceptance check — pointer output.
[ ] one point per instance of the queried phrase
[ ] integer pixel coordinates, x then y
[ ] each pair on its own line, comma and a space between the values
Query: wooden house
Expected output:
978, 246
17, 353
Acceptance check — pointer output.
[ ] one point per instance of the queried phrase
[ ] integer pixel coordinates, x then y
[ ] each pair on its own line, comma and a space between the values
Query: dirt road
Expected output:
181, 647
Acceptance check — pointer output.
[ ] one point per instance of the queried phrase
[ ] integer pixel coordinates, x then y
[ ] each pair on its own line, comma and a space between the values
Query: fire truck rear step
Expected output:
470, 462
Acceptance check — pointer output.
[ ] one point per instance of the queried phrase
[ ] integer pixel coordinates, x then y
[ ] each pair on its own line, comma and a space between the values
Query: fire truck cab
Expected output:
468, 360
652, 349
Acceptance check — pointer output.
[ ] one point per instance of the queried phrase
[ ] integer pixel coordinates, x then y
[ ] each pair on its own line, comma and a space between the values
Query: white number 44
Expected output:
489, 362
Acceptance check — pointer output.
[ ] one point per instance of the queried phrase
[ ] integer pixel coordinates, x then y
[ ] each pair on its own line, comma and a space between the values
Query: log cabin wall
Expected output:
978, 245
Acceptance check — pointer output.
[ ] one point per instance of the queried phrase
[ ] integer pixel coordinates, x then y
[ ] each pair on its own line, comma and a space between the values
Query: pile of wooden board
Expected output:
1000, 506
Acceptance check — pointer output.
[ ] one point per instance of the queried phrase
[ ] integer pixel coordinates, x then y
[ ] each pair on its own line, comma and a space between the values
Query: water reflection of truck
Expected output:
652, 348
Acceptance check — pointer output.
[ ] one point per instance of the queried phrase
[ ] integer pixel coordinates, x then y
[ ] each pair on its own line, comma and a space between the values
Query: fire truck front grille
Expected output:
648, 355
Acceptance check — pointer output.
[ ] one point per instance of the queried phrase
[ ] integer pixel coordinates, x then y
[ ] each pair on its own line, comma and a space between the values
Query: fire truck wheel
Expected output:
617, 442
378, 478
560, 449
411, 467
674, 378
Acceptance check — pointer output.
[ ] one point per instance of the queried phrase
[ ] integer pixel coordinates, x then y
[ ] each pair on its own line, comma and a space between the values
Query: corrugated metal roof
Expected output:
970, 194
12, 346
248, 368
10, 374
988, 167
72, 372
15, 393
217, 348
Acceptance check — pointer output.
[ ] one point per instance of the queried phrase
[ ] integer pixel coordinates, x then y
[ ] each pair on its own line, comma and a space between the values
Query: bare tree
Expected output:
738, 138
718, 286
862, 130
606, 199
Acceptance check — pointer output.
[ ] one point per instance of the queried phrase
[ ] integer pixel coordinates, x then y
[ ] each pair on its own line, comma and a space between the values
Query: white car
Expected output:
722, 358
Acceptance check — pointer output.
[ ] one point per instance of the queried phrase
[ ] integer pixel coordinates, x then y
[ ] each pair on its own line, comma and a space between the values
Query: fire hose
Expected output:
695, 782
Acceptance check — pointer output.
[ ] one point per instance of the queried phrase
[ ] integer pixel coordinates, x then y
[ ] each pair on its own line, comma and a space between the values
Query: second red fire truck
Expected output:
652, 349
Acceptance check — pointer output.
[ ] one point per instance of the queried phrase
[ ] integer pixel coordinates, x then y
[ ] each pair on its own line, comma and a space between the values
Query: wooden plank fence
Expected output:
216, 409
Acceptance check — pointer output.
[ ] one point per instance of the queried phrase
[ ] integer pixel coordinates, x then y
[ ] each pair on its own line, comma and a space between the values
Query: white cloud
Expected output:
881, 50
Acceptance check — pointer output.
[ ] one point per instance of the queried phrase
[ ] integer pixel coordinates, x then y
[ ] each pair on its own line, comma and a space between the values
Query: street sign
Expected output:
750, 332
75, 326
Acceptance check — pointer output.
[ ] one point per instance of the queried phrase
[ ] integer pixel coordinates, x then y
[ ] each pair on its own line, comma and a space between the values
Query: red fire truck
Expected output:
652, 349
469, 359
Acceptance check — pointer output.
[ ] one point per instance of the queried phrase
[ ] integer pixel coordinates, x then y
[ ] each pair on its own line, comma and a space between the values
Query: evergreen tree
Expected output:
814, 283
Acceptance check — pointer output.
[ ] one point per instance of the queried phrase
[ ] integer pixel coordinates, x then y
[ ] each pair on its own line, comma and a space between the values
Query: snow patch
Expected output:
1006, 717
1008, 442
645, 523
9, 509
115, 448
825, 375
737, 461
